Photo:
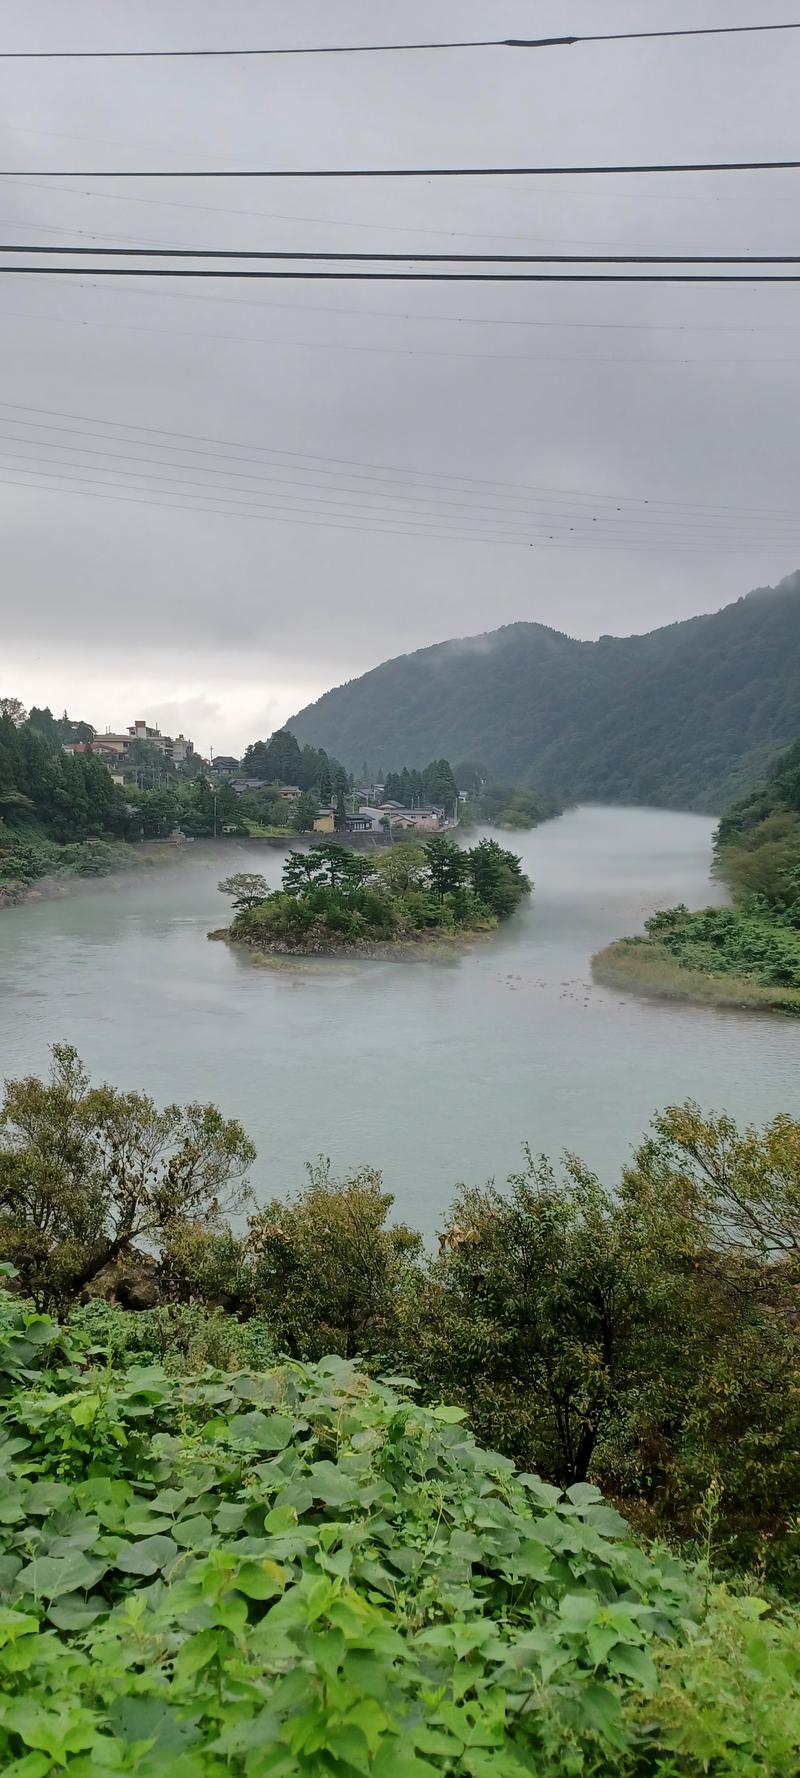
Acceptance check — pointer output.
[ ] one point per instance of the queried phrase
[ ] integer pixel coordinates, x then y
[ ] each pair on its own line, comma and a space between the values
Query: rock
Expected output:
131, 1281
139, 1293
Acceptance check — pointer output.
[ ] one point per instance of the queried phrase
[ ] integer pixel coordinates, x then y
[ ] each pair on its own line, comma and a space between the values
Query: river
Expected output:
436, 1072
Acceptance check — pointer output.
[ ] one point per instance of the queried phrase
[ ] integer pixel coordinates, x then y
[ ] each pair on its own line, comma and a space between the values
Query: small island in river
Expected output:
334, 900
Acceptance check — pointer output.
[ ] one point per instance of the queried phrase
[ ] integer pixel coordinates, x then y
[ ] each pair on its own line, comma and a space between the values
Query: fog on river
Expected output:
436, 1072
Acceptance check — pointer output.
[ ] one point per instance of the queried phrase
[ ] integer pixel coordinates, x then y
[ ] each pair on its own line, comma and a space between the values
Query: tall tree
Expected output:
13, 710
278, 760
497, 877
305, 812
447, 866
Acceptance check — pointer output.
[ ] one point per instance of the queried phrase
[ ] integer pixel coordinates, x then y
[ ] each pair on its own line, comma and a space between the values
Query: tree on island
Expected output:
246, 888
448, 866
495, 875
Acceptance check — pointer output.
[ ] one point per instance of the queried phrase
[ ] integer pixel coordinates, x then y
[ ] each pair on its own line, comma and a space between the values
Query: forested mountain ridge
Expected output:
685, 716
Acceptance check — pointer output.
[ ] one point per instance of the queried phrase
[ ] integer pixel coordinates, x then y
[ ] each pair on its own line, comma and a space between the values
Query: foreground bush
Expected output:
298, 1573
643, 1339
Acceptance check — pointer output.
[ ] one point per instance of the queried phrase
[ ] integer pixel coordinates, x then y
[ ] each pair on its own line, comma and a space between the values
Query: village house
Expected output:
110, 746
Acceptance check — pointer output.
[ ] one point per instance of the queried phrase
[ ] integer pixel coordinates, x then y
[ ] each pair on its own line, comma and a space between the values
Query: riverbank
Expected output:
431, 945
644, 966
118, 861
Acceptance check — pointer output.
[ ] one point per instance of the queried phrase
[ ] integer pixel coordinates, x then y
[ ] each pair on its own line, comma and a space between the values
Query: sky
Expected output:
218, 499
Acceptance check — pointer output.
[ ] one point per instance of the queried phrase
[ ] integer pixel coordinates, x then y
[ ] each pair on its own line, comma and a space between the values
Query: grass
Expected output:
646, 967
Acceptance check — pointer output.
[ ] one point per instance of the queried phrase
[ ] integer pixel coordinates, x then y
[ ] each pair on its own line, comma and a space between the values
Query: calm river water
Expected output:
435, 1072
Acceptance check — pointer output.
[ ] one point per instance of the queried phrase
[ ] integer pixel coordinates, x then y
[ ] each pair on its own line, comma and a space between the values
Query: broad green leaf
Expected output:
140, 1521
394, 1760
146, 1557
331, 1484
634, 1663
15, 1623
46, 1497
600, 1707
280, 1519
74, 1613
450, 1415
193, 1533
260, 1580
47, 1577
198, 1651
607, 1521
231, 1611
583, 1494
578, 1609
265, 1432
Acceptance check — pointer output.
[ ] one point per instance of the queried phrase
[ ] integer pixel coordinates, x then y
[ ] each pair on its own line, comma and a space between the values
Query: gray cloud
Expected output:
227, 620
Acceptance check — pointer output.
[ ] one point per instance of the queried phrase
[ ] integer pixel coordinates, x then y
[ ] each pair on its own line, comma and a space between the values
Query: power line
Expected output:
135, 271
356, 49
233, 302
528, 514
517, 490
398, 172
289, 253
393, 228
376, 530
245, 339
306, 345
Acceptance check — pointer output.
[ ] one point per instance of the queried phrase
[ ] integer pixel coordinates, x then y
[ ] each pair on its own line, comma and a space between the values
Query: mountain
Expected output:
687, 716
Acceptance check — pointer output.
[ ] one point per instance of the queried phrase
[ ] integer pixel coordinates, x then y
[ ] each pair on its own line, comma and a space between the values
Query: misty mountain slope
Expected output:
686, 715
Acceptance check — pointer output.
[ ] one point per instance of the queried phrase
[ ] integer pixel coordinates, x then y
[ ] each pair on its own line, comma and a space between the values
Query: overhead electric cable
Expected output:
375, 530
356, 49
305, 254
519, 490
347, 276
243, 302
280, 342
667, 523
396, 172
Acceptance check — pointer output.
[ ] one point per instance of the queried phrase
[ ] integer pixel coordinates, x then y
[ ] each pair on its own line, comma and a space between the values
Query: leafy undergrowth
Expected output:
299, 1573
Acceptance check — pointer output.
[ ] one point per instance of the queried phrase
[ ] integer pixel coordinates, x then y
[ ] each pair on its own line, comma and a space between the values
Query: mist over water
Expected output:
437, 1072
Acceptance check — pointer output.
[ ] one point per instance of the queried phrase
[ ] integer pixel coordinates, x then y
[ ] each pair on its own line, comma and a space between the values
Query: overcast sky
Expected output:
365, 447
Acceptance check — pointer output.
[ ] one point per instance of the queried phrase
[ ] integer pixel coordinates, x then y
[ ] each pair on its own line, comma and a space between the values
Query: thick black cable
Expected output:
410, 258
360, 49
398, 172
159, 271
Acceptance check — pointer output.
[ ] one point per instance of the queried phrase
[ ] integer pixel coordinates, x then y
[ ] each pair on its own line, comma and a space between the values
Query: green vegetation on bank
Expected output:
745, 955
502, 805
333, 898
685, 717
63, 814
